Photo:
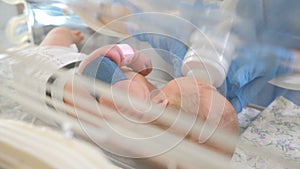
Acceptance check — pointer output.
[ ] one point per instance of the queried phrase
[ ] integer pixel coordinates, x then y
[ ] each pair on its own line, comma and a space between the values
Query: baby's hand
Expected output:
134, 59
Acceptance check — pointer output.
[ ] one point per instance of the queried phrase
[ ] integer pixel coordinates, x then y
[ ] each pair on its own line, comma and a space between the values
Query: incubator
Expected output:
203, 26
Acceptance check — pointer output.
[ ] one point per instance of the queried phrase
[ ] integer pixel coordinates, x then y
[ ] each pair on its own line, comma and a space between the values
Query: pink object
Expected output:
127, 54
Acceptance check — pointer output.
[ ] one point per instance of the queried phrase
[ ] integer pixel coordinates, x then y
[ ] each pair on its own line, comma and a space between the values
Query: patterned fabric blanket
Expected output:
277, 129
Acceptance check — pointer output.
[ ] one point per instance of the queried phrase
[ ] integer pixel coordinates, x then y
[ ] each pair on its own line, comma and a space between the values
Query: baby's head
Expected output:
202, 101
189, 96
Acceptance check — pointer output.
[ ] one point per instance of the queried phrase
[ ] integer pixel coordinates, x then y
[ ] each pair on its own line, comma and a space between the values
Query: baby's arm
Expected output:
122, 55
61, 36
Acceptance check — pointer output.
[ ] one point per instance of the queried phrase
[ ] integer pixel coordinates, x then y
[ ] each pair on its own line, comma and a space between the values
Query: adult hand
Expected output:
169, 33
252, 69
170, 49
166, 33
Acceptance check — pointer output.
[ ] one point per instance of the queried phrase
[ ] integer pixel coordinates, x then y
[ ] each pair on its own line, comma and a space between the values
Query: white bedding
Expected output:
10, 109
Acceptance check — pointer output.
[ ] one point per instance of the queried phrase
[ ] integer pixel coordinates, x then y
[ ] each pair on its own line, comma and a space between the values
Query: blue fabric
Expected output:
105, 70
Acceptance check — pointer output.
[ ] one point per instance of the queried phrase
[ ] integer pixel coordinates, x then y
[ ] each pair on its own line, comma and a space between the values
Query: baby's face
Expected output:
202, 101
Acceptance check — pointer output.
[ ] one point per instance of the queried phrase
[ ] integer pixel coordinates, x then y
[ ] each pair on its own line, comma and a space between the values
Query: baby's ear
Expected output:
77, 36
158, 97
76, 32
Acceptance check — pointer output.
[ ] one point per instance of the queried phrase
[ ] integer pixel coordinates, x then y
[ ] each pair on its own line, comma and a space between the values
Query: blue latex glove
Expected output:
170, 49
252, 69
168, 33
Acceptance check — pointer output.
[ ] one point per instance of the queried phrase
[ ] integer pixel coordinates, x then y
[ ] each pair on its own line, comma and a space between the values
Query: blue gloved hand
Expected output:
170, 49
251, 71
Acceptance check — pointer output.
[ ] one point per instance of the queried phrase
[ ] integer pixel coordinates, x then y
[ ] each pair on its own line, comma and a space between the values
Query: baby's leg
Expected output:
62, 36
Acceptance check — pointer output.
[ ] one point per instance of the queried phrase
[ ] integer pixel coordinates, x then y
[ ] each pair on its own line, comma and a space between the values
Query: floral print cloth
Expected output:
246, 117
277, 129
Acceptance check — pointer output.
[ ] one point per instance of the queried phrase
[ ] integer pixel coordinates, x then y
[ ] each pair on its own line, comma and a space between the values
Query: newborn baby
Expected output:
187, 95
